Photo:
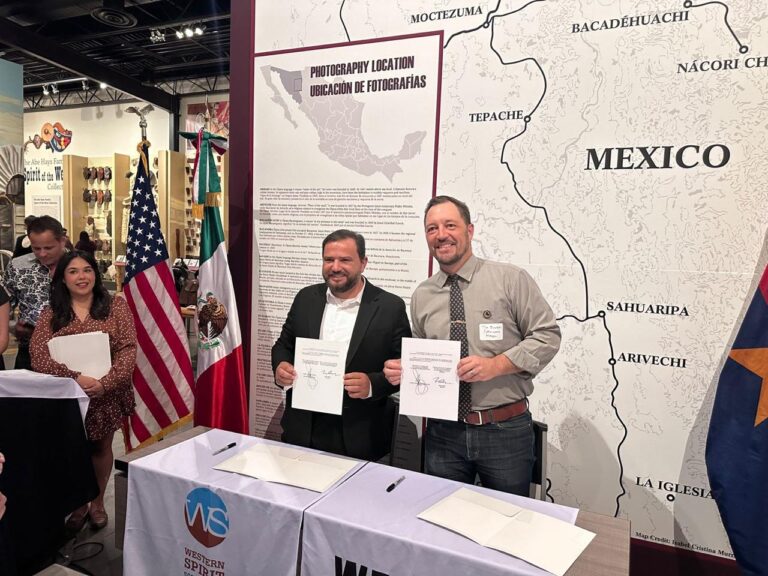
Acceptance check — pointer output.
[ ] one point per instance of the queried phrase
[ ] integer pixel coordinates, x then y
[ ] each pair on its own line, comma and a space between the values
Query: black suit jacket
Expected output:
381, 324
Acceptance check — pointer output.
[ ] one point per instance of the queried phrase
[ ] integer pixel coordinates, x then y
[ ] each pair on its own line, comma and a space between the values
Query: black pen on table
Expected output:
227, 447
395, 484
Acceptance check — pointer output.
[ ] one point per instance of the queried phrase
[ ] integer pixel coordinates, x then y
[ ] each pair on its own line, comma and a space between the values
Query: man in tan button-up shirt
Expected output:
511, 334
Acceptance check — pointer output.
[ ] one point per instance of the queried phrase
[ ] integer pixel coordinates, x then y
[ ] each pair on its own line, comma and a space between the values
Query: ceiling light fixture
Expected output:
54, 89
190, 30
102, 85
84, 84
156, 36
45, 89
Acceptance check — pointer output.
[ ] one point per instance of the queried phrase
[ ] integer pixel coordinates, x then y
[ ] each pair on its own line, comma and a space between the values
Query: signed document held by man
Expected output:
429, 386
319, 384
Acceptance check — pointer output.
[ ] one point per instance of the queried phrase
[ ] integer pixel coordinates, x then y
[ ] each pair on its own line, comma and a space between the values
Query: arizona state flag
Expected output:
737, 445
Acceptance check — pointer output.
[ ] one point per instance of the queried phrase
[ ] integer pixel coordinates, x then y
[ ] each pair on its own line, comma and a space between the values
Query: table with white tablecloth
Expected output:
361, 522
185, 517
249, 526
48, 471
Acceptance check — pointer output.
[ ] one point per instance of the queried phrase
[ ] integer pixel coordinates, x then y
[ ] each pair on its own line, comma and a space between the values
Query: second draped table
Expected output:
185, 517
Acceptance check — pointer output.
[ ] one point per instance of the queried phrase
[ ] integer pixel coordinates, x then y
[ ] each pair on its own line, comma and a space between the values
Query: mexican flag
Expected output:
205, 179
220, 400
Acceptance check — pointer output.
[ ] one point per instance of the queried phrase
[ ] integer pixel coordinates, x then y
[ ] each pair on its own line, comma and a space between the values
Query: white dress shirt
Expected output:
339, 319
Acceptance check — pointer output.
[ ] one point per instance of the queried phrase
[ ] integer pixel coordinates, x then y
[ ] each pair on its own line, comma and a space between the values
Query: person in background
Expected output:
68, 244
27, 279
90, 226
7, 562
85, 243
508, 334
23, 245
81, 304
5, 319
2, 497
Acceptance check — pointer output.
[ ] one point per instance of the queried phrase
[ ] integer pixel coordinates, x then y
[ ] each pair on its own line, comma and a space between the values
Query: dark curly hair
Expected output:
61, 301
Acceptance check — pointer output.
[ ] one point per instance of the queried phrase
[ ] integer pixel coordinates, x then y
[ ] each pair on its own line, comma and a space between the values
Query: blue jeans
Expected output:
501, 453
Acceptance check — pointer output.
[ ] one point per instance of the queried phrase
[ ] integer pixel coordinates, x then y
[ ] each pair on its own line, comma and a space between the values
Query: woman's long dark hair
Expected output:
61, 301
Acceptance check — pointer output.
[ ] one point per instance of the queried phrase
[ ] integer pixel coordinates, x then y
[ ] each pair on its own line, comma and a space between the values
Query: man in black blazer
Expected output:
346, 307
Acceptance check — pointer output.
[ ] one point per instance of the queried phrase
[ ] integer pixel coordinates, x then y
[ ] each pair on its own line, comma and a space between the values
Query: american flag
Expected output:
163, 378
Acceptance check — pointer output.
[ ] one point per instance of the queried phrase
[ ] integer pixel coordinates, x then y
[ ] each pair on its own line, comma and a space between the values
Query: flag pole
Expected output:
220, 398
163, 378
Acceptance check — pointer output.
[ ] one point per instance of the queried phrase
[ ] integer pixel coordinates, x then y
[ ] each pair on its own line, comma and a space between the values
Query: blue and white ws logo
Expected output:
206, 516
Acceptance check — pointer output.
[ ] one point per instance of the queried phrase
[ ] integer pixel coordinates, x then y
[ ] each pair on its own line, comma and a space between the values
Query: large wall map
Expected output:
617, 152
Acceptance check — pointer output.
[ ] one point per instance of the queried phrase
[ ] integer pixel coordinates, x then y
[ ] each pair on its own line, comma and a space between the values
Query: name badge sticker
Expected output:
491, 331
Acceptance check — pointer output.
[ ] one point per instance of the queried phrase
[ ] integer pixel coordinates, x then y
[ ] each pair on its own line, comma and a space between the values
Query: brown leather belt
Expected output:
500, 414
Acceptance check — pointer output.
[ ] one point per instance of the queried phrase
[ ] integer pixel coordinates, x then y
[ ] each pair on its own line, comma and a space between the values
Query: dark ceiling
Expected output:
111, 39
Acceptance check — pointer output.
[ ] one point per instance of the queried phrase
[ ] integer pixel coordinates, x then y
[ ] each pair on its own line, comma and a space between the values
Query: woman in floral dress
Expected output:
80, 304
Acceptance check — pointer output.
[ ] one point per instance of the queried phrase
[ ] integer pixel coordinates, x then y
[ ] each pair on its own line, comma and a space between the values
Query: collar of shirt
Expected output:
31, 263
465, 272
40, 266
341, 303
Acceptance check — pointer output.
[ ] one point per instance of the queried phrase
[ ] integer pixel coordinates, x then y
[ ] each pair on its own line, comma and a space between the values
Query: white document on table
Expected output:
429, 383
286, 465
538, 539
319, 383
87, 353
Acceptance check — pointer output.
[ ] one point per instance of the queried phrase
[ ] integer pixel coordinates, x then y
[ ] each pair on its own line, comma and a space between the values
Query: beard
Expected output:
336, 289
448, 260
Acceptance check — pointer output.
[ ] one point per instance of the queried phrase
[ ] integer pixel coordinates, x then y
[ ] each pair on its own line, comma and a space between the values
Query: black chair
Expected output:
392, 416
406, 449
539, 478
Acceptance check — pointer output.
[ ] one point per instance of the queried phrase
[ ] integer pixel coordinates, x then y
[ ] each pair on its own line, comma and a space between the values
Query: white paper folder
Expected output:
539, 539
86, 353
